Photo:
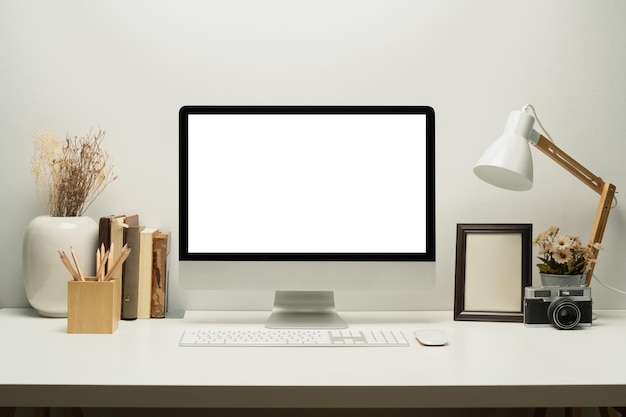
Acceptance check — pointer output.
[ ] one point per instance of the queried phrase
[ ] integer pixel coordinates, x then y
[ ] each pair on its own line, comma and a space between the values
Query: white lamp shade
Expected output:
507, 163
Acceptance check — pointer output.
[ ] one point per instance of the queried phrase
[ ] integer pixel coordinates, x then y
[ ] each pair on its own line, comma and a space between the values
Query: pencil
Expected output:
111, 253
103, 266
68, 265
118, 262
80, 271
103, 257
98, 262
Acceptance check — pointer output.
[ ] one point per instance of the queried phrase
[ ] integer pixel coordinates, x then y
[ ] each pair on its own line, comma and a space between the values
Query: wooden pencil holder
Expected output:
93, 306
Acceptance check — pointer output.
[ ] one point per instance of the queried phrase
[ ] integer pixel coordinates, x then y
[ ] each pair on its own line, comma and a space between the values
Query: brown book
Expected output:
160, 252
130, 281
104, 231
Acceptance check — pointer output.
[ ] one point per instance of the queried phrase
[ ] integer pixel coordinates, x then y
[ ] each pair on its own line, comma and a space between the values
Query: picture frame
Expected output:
493, 267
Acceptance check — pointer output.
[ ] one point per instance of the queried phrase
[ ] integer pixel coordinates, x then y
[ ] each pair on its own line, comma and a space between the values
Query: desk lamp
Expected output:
508, 164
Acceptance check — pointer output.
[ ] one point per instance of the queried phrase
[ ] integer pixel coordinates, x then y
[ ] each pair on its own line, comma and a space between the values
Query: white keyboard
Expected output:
296, 337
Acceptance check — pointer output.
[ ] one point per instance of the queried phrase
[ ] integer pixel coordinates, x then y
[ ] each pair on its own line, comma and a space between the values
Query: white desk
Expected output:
141, 365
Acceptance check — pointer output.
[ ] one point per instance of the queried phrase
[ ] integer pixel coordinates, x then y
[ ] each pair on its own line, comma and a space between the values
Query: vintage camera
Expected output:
563, 307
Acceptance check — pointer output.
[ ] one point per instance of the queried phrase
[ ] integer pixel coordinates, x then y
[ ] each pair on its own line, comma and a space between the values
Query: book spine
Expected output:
144, 288
160, 252
130, 282
117, 242
104, 232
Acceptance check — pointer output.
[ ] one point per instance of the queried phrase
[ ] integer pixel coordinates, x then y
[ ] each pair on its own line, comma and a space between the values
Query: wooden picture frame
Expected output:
493, 266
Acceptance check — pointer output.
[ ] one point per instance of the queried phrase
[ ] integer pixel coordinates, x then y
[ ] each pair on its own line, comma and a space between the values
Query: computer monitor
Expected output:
307, 200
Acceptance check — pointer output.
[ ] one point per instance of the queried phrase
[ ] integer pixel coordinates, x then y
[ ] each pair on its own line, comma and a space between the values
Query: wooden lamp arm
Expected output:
570, 164
606, 190
599, 224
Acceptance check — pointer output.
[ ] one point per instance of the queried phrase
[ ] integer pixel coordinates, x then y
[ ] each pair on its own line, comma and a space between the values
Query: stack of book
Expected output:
144, 275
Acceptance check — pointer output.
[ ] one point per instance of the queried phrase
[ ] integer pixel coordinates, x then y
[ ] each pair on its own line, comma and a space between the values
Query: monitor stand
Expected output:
305, 310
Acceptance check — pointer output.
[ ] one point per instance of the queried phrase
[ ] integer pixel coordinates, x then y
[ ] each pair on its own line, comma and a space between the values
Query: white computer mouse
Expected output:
431, 337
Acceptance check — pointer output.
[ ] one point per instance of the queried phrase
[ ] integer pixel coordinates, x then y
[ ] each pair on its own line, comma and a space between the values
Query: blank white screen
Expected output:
313, 183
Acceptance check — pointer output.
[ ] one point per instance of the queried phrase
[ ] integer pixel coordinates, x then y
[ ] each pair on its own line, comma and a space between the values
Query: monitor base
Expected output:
305, 310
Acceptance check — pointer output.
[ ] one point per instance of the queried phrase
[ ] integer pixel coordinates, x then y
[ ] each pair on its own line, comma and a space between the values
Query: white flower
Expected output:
562, 256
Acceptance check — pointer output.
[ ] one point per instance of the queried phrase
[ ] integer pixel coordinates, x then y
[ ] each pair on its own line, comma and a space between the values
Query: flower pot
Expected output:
554, 280
45, 276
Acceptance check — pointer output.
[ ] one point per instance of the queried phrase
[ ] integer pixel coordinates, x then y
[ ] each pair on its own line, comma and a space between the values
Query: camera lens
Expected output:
564, 314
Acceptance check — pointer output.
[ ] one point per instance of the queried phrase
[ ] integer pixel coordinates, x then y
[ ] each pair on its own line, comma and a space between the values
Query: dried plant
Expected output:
70, 174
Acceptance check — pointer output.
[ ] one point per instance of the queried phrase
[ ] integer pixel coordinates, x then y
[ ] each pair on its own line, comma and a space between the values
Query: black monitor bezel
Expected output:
427, 256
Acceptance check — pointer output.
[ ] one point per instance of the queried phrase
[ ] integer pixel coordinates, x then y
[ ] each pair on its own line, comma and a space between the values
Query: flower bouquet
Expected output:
562, 254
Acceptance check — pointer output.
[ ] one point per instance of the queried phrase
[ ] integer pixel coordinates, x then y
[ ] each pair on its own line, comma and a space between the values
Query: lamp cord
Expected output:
530, 107
608, 286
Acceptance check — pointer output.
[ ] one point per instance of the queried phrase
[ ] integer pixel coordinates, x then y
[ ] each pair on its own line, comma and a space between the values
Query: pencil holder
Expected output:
93, 306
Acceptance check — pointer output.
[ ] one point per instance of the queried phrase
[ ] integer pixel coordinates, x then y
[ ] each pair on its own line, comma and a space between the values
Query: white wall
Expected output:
130, 65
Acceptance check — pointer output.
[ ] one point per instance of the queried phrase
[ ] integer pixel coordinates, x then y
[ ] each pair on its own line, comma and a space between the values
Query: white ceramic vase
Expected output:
45, 277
